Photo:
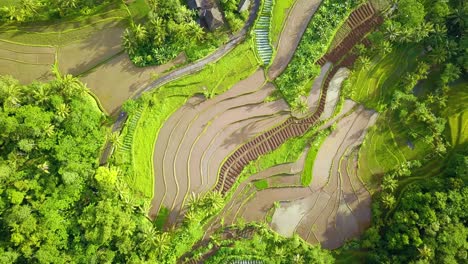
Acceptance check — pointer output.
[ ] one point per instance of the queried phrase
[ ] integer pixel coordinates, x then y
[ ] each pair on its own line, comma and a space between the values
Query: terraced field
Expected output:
194, 141
333, 208
206, 144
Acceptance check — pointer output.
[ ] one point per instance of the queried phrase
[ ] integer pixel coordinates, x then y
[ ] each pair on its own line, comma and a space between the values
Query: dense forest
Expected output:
428, 225
57, 205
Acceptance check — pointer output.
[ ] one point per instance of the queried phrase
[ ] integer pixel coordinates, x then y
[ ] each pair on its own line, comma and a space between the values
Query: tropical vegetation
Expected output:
170, 29
314, 43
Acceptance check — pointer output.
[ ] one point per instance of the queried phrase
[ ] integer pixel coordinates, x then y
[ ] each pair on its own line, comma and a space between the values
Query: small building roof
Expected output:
213, 18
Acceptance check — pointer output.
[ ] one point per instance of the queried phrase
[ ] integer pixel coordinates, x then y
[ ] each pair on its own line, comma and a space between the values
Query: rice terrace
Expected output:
233, 131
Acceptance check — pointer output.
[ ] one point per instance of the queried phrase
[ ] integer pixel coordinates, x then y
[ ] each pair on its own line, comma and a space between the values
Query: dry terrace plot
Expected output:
117, 80
79, 45
27, 63
334, 208
337, 206
80, 56
194, 141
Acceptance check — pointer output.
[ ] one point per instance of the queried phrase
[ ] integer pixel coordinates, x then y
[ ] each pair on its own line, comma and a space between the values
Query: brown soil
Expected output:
296, 24
342, 210
26, 63
117, 80
75, 58
193, 142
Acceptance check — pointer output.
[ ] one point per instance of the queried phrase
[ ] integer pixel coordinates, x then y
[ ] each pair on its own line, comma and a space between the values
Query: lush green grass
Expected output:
261, 184
375, 85
217, 78
280, 11
139, 9
306, 177
457, 114
288, 152
313, 45
161, 218
348, 256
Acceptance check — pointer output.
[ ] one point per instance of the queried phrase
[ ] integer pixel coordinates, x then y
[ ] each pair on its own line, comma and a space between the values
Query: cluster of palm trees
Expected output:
165, 34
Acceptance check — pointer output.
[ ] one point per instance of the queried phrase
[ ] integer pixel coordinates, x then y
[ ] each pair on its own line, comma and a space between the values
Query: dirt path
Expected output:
295, 26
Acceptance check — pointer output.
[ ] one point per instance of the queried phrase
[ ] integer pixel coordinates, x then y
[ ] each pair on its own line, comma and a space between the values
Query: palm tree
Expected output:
128, 42
41, 95
71, 85
44, 167
298, 259
439, 54
458, 17
425, 252
10, 90
388, 200
386, 47
140, 32
365, 62
197, 32
191, 217
145, 207
194, 201
63, 110
30, 6
162, 242
158, 28
49, 130
114, 139
392, 31
389, 183
279, 251
216, 200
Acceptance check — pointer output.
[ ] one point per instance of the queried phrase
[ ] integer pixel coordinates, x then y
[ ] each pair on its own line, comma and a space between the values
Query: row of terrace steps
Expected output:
261, 30
358, 16
268, 141
128, 139
292, 127
364, 22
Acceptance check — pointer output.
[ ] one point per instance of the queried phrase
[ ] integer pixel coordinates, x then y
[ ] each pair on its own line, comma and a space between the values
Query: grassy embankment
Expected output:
307, 176
216, 78
280, 13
